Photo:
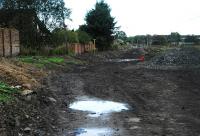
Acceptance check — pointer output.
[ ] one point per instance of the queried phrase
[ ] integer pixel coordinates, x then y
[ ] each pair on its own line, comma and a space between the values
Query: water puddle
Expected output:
136, 120
97, 108
93, 132
123, 60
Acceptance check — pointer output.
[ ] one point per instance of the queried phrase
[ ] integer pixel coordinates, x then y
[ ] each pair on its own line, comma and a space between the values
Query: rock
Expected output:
28, 86
26, 92
52, 99
27, 116
27, 130
18, 86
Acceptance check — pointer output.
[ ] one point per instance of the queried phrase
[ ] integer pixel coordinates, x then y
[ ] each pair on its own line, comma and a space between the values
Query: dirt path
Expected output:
163, 103
157, 102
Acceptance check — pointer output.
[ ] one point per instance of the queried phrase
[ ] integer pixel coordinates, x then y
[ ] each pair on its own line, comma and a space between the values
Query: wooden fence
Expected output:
81, 48
9, 42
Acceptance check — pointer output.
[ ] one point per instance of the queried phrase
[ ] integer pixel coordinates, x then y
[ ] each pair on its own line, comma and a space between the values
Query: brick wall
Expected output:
9, 42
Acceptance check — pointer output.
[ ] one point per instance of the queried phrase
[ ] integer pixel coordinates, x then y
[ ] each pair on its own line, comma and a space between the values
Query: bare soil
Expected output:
161, 102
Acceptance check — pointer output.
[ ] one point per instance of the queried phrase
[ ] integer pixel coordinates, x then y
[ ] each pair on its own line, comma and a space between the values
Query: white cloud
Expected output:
145, 16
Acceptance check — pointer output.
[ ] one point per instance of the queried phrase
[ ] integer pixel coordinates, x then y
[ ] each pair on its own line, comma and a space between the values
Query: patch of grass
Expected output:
6, 92
56, 60
41, 61
48, 62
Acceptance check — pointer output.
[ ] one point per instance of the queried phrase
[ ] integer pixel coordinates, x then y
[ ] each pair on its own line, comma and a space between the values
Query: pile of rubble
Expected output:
177, 57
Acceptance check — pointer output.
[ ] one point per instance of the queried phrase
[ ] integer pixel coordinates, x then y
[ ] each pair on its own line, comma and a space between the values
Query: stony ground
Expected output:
161, 102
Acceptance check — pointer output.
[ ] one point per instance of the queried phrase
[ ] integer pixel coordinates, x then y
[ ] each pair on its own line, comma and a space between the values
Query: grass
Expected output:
6, 92
41, 61
44, 61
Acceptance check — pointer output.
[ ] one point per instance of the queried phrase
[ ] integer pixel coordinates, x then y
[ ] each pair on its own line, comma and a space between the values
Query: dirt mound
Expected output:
15, 73
177, 57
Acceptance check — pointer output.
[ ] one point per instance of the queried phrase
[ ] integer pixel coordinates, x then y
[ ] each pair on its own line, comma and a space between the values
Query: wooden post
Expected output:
10, 38
2, 31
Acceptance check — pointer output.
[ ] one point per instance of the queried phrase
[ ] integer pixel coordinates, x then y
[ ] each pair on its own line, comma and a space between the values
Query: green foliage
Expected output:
60, 50
121, 35
100, 25
159, 40
56, 60
50, 62
83, 37
174, 37
72, 37
41, 61
6, 92
191, 39
51, 12
61, 36
34, 19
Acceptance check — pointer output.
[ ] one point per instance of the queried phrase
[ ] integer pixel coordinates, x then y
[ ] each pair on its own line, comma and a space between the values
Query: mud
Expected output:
160, 102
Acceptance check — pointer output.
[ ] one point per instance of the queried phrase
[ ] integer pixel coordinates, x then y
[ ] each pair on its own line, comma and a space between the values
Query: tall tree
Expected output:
100, 25
51, 12
174, 37
33, 19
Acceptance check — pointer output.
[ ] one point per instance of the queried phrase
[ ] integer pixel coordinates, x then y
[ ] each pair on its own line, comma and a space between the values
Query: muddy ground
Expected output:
160, 102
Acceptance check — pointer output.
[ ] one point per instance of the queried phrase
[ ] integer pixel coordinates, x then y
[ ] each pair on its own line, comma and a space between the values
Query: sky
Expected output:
141, 17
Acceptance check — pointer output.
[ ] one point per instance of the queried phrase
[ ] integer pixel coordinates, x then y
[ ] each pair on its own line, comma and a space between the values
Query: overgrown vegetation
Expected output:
7, 92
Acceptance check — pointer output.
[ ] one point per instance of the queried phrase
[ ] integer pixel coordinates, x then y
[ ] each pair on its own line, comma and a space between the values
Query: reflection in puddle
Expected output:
123, 60
136, 120
98, 107
94, 132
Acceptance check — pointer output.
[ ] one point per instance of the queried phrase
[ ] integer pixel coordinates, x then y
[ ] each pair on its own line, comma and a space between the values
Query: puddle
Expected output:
92, 132
123, 60
135, 120
97, 108
134, 127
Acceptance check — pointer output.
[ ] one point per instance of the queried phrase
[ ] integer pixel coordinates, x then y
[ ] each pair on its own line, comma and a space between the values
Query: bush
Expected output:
59, 36
72, 37
83, 37
60, 50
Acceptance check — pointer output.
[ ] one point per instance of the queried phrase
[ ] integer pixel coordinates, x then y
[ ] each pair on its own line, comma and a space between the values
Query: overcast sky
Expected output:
138, 17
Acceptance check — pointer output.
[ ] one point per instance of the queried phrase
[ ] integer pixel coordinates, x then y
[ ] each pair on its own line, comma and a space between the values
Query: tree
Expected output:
121, 35
174, 37
100, 25
83, 37
159, 40
51, 12
34, 19
191, 39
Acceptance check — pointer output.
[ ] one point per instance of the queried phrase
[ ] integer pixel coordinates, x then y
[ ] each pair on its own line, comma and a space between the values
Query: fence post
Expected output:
2, 32
10, 38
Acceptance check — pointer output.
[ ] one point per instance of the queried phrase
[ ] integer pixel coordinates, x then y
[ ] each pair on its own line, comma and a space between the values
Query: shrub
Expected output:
72, 37
59, 36
83, 37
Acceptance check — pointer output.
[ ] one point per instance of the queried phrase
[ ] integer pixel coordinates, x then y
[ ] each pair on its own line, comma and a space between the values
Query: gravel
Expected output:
177, 57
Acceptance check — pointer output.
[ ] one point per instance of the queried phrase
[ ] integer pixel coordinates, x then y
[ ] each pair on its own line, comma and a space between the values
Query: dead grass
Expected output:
18, 73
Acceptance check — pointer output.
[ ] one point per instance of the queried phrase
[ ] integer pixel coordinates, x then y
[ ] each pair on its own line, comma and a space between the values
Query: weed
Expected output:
6, 92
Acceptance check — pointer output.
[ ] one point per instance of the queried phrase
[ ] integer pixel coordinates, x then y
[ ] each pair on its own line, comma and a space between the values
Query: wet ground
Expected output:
119, 99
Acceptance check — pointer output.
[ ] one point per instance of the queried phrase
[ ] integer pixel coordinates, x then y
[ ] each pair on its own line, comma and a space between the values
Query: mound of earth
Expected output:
177, 57
17, 73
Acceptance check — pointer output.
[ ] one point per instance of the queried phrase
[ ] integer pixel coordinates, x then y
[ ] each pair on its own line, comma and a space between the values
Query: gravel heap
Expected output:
177, 57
